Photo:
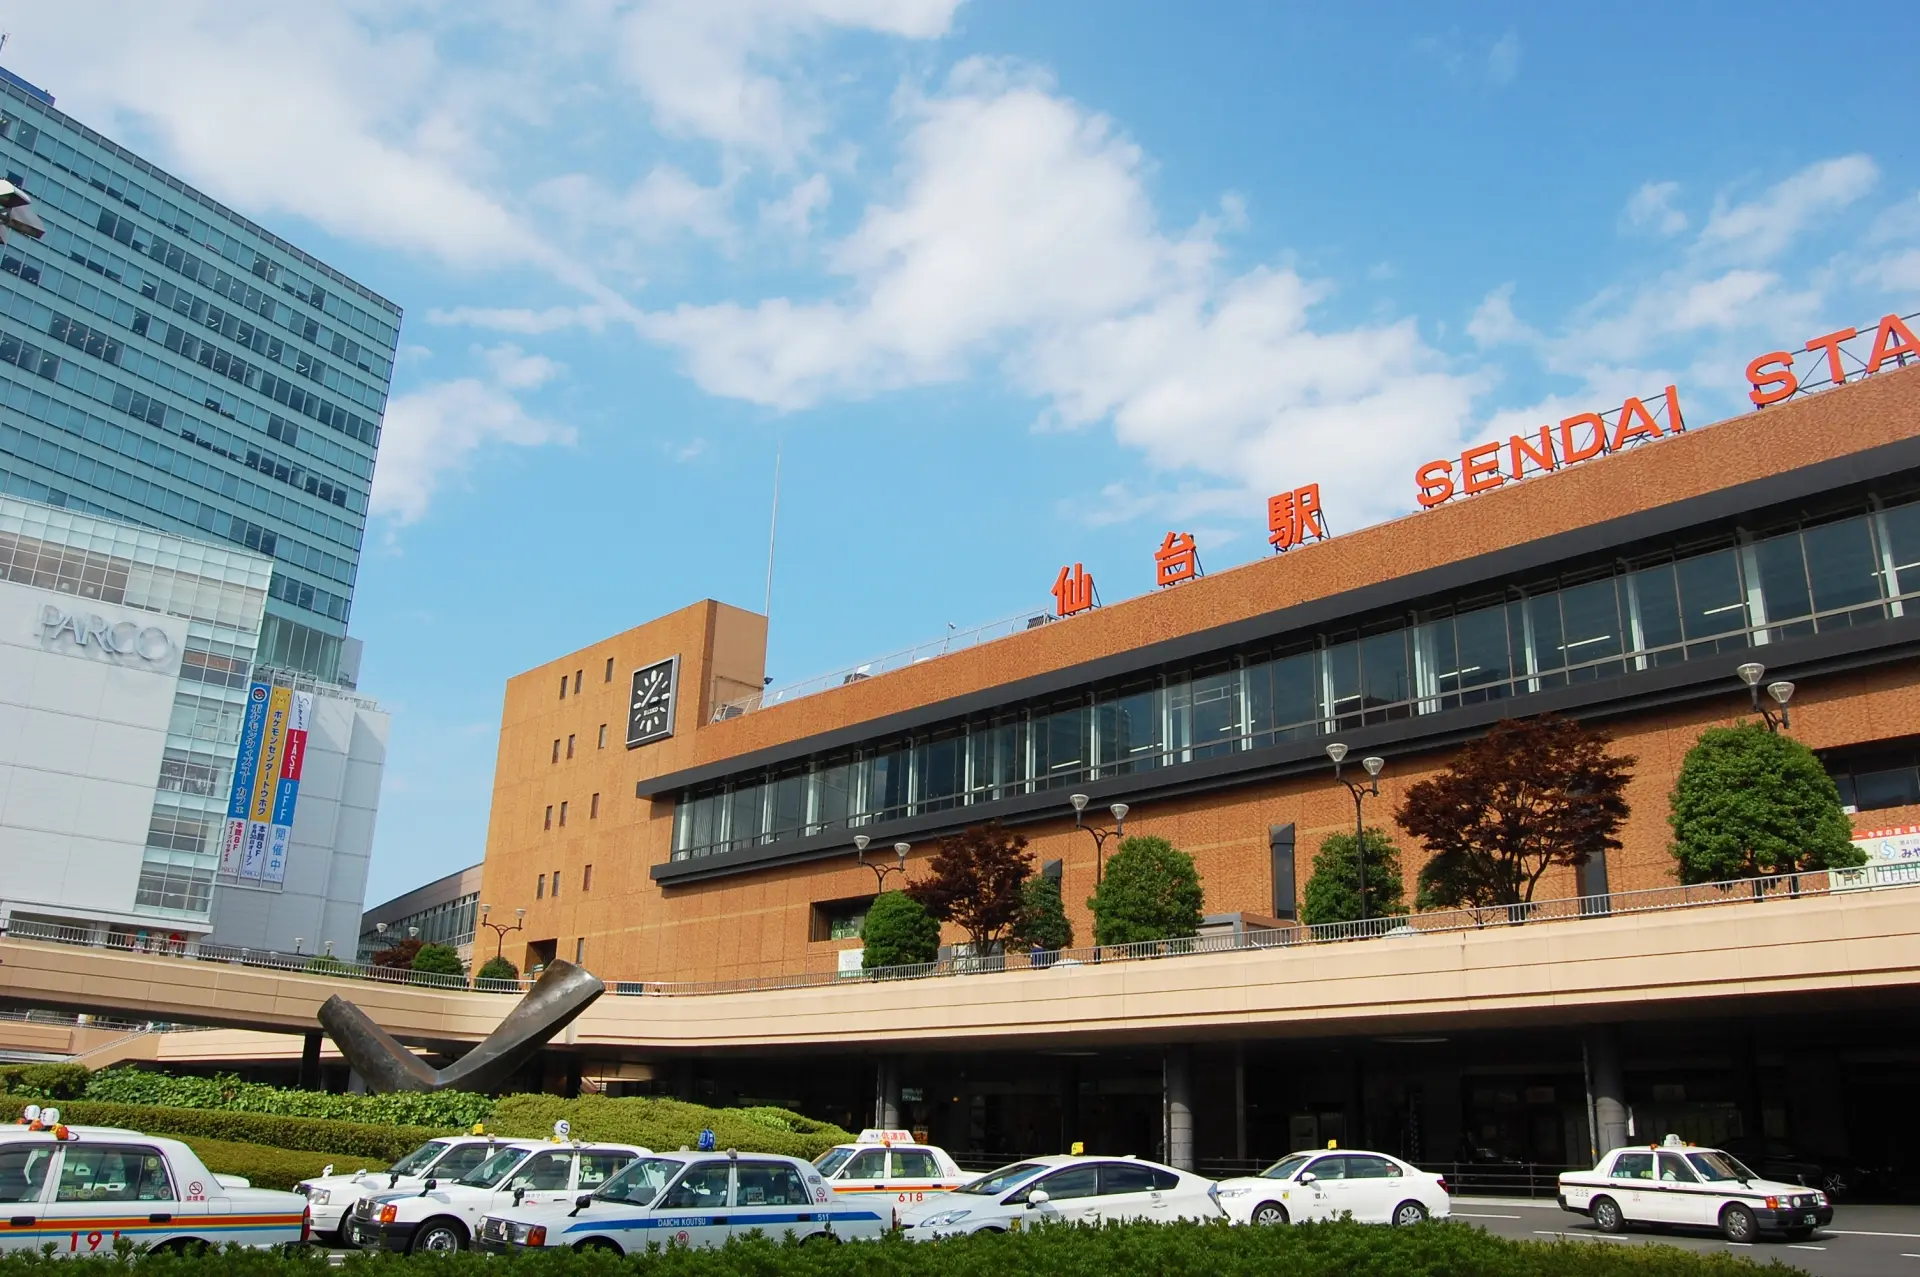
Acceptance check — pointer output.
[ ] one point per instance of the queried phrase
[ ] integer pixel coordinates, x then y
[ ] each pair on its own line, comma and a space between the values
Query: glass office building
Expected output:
166, 362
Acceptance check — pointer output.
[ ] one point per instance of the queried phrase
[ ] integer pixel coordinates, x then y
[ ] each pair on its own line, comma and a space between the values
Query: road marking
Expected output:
1797, 1247
1744, 1245
1854, 1232
1578, 1237
1463, 1214
1904, 1255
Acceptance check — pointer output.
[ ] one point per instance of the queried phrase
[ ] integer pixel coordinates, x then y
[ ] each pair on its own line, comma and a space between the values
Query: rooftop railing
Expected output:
1776, 889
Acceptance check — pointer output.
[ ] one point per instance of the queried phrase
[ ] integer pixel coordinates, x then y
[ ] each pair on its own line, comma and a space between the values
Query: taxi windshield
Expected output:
833, 1159
1286, 1167
420, 1158
1003, 1179
640, 1181
1714, 1165
494, 1169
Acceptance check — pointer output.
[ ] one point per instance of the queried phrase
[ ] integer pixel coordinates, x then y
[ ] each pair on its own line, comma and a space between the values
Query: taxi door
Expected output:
1682, 1198
913, 1174
1326, 1197
865, 1172
1373, 1187
25, 1187
106, 1191
1128, 1192
696, 1211
1073, 1196
1630, 1184
772, 1197
544, 1178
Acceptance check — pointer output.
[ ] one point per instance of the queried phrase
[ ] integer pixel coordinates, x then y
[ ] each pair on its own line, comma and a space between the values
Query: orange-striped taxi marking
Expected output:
87, 1235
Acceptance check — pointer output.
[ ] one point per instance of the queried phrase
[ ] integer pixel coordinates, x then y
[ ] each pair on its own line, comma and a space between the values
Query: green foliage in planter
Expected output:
438, 959
225, 1091
269, 1167
665, 1124
1149, 891
384, 1143
1748, 802
898, 932
43, 1081
497, 968
1333, 892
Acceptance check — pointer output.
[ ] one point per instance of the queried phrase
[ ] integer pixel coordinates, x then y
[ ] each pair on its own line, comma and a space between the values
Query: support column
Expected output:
1179, 1107
886, 1093
1606, 1090
1240, 1101
310, 1061
1069, 1104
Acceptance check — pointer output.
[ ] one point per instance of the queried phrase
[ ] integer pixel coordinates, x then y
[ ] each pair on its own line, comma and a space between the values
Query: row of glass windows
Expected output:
1698, 602
44, 134
339, 453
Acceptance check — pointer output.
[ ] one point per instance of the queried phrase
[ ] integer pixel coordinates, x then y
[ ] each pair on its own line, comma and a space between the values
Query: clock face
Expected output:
650, 713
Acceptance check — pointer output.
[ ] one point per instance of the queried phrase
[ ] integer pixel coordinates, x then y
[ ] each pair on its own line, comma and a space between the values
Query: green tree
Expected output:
1749, 802
1333, 892
1526, 797
898, 932
497, 968
1150, 891
1043, 916
438, 959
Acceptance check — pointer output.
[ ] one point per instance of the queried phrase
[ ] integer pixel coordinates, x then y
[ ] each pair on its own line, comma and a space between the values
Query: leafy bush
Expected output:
665, 1124
438, 959
898, 932
328, 965
1150, 891
1310, 1250
1748, 802
497, 968
348, 1139
1333, 892
44, 1081
268, 1167
1043, 916
225, 1091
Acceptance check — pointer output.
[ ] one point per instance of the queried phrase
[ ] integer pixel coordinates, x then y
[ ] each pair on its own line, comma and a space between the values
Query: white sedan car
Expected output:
1372, 1187
80, 1190
690, 1199
891, 1164
1679, 1183
333, 1197
1064, 1189
443, 1217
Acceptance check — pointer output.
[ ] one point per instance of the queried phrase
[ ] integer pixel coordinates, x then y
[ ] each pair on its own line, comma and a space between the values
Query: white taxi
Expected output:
1371, 1187
691, 1199
891, 1164
332, 1198
1678, 1183
81, 1190
443, 1216
1064, 1189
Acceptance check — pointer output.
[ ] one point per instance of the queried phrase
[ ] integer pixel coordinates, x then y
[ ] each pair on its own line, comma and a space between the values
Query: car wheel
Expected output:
820, 1239
438, 1236
1607, 1217
1738, 1224
343, 1235
1833, 1183
1269, 1213
599, 1243
1407, 1214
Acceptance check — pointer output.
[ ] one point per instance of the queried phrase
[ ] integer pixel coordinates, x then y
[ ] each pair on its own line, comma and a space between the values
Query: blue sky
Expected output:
1012, 283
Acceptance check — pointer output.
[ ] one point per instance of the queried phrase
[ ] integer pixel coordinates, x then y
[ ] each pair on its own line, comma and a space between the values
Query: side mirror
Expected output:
429, 1186
580, 1203
519, 1194
1307, 1177
1038, 1197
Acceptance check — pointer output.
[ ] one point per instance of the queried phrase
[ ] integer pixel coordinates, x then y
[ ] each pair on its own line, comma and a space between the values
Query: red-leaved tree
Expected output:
975, 883
1525, 797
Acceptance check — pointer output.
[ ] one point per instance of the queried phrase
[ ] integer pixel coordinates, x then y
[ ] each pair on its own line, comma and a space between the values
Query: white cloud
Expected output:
526, 321
1021, 233
1760, 229
1895, 273
1651, 209
1494, 323
793, 213
664, 203
701, 64
1503, 60
434, 431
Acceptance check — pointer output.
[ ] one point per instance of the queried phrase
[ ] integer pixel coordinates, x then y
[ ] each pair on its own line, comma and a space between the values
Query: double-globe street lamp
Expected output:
1100, 835
1371, 789
1780, 690
500, 929
881, 868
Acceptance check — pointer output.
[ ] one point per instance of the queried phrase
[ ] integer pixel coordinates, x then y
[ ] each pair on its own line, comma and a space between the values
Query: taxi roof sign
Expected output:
873, 1135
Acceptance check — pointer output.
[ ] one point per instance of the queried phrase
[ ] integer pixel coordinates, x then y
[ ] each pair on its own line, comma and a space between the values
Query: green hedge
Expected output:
270, 1167
225, 1091
665, 1124
1314, 1250
344, 1139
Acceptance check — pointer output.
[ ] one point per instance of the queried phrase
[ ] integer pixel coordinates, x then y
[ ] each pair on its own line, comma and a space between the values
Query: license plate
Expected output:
1806, 1219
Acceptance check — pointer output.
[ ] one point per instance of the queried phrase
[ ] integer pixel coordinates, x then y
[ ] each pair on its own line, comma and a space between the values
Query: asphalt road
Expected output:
1864, 1241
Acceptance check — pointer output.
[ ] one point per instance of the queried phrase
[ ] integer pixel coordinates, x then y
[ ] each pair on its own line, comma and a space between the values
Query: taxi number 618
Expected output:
911, 1197
94, 1240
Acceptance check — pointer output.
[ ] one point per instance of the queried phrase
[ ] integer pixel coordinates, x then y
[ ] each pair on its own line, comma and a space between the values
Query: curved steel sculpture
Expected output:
562, 992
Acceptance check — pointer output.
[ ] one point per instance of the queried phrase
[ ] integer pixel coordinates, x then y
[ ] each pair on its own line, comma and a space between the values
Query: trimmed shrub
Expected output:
1043, 916
44, 1081
1333, 892
347, 1139
497, 968
898, 932
269, 1167
1748, 802
665, 1124
1150, 891
438, 959
227, 1092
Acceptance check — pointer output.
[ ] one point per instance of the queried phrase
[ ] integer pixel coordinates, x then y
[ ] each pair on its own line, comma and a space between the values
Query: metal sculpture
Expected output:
561, 993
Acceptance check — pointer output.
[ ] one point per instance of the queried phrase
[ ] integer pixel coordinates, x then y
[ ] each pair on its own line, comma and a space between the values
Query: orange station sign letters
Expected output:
1583, 435
1294, 517
1772, 377
1073, 591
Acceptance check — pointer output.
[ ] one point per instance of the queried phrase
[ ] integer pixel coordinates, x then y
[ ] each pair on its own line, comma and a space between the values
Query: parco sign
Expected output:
149, 643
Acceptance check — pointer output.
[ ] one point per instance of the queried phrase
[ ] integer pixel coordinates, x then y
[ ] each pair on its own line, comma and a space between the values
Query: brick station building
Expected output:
1623, 591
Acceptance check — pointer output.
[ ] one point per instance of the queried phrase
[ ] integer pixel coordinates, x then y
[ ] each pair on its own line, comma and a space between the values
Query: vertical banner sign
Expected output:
246, 765
266, 783
287, 789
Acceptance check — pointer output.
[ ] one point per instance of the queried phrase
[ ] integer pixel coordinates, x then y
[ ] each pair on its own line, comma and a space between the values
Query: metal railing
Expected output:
953, 641
1737, 891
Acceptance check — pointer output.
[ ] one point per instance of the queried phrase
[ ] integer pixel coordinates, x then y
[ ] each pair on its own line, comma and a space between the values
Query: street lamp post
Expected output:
500, 929
881, 868
1371, 789
1779, 690
1100, 835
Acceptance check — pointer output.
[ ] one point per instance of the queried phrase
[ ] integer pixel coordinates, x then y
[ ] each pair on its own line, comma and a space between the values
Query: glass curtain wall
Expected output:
1691, 601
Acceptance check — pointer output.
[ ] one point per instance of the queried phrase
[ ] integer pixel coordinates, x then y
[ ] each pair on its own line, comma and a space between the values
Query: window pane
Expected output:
789, 805
1130, 731
1205, 714
1896, 788
1902, 523
999, 760
1590, 614
1060, 752
887, 784
1283, 699
1484, 660
1844, 571
1657, 599
1711, 602
1549, 647
1385, 677
745, 815
832, 796
1075, 1181
938, 773
1783, 585
1343, 677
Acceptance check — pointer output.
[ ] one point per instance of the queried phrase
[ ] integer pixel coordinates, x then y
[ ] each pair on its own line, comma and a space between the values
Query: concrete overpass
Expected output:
1818, 949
